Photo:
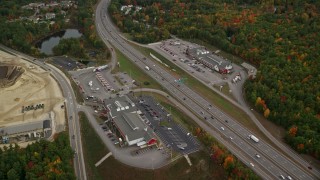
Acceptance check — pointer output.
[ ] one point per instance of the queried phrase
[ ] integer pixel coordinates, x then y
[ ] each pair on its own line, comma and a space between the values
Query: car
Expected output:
289, 177
117, 142
231, 138
182, 148
258, 156
282, 177
309, 167
222, 128
252, 164
188, 134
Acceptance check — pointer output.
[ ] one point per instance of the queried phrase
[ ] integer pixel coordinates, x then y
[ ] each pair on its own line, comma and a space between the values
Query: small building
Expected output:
252, 71
50, 16
210, 60
127, 119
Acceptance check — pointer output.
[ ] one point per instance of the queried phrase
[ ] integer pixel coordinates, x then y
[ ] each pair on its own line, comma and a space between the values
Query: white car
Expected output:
252, 164
222, 128
258, 156
282, 177
289, 177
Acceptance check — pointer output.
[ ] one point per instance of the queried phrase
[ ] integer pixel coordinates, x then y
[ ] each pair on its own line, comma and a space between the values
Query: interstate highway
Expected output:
271, 160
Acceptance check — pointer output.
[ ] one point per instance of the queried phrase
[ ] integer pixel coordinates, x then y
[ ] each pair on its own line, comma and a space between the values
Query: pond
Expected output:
47, 44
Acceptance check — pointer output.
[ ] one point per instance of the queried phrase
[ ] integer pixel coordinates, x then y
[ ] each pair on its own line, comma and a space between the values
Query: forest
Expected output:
22, 34
280, 37
40, 160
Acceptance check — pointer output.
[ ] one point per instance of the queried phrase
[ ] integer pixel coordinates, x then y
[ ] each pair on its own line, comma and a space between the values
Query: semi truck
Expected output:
100, 68
147, 68
255, 139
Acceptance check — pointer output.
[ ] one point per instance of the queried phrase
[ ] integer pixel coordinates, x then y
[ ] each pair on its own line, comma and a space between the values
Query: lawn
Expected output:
93, 147
135, 72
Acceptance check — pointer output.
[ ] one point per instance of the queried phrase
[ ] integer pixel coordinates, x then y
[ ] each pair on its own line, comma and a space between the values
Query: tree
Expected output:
293, 131
228, 162
266, 113
12, 175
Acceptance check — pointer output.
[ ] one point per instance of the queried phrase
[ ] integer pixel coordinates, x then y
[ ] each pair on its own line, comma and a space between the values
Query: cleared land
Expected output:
34, 86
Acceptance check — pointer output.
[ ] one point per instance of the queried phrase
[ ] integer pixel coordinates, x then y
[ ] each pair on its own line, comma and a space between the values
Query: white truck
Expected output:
255, 139
147, 68
100, 68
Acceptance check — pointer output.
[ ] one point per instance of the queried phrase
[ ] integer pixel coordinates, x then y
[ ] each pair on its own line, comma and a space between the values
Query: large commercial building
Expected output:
30, 130
210, 60
130, 122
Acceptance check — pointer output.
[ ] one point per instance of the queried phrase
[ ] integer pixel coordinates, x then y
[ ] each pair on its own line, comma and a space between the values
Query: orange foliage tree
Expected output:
293, 131
217, 153
266, 113
300, 147
228, 162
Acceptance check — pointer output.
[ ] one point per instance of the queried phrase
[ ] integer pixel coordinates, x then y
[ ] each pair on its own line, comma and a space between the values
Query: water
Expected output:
47, 44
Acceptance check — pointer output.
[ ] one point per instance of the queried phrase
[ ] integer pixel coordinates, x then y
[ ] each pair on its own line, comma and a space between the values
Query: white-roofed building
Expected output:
128, 121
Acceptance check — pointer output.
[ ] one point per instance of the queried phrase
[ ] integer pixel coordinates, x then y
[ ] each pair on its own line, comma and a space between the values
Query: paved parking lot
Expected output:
175, 51
65, 63
173, 135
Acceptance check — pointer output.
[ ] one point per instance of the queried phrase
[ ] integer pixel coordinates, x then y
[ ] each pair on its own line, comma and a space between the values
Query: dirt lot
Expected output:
35, 86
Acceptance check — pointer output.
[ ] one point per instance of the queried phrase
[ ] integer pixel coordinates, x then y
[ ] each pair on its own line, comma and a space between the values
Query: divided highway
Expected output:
271, 161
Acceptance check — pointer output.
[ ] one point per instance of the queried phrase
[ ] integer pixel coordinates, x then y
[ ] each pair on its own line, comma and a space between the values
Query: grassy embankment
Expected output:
135, 72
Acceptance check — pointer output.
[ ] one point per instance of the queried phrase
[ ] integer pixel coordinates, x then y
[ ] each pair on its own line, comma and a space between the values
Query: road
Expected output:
271, 162
71, 109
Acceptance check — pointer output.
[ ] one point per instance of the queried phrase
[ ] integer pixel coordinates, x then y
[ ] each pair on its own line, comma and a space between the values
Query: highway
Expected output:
272, 162
71, 109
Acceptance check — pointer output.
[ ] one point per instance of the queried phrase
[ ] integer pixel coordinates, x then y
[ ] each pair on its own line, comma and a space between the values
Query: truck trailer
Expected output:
255, 139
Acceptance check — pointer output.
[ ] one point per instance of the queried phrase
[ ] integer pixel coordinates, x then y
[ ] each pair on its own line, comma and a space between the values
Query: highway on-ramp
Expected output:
271, 161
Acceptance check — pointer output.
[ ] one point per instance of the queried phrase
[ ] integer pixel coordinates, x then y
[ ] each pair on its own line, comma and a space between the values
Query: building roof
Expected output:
131, 125
201, 53
128, 119
46, 124
252, 71
24, 128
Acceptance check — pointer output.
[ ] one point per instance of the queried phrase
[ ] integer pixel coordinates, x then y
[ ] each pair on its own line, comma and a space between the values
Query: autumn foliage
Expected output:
228, 162
221, 156
293, 131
